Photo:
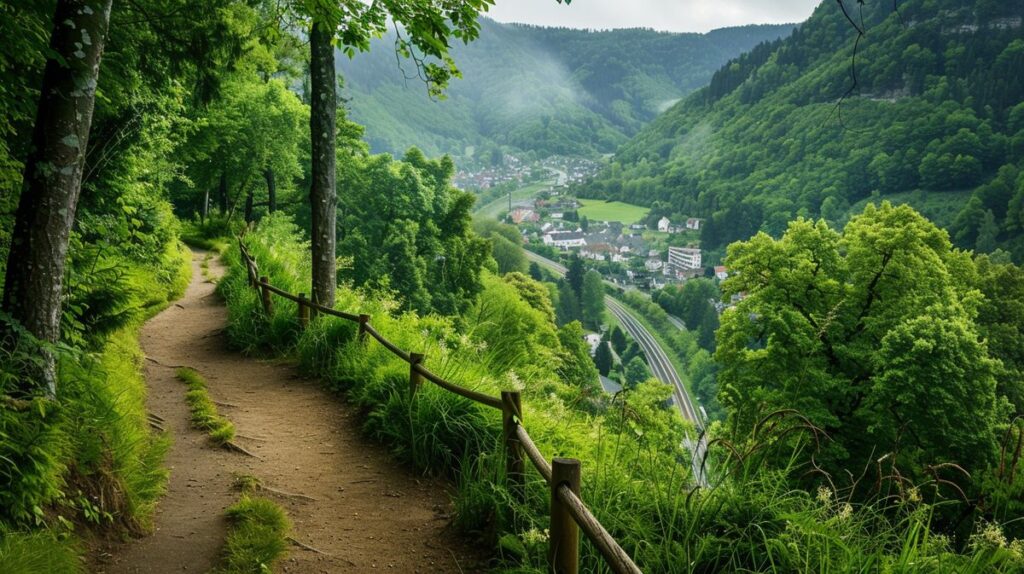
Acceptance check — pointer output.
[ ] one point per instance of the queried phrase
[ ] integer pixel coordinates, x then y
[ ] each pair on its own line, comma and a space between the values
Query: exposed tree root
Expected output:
241, 450
287, 494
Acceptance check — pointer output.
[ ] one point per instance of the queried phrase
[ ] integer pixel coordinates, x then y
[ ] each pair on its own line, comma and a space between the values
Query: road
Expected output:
661, 368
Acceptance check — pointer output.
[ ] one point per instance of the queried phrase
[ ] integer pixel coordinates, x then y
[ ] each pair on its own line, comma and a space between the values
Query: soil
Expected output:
346, 497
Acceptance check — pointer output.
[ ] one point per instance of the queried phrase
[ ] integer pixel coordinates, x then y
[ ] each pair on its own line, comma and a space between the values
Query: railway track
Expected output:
661, 367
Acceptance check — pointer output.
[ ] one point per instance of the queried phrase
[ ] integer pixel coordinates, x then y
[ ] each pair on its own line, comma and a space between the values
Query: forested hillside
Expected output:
865, 380
549, 90
930, 114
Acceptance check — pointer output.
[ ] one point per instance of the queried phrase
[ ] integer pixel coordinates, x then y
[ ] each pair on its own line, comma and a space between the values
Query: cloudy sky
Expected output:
673, 15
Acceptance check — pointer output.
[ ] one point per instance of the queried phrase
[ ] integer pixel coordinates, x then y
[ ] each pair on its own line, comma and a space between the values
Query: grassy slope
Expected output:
105, 435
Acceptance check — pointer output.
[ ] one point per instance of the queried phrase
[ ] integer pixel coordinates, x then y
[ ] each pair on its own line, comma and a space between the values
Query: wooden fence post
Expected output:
511, 416
268, 305
415, 379
363, 320
303, 311
564, 552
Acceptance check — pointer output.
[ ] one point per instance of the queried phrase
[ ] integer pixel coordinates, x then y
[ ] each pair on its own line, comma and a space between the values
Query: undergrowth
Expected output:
213, 234
635, 479
88, 463
204, 412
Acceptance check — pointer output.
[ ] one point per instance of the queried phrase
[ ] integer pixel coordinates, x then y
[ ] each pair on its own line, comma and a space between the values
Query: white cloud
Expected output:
673, 15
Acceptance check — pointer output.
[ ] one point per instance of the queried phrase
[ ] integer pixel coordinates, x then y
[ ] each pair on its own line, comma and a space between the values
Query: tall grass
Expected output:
90, 459
257, 536
204, 412
635, 479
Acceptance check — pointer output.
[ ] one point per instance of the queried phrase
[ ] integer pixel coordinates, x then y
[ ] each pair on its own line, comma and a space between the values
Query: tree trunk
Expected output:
248, 207
222, 193
322, 194
53, 176
206, 207
268, 174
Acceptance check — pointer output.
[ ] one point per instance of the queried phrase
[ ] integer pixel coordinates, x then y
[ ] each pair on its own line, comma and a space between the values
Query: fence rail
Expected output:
569, 514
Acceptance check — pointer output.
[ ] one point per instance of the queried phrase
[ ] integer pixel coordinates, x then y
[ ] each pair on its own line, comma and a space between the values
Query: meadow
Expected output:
600, 210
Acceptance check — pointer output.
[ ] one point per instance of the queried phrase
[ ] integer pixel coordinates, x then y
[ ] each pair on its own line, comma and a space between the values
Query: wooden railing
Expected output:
569, 514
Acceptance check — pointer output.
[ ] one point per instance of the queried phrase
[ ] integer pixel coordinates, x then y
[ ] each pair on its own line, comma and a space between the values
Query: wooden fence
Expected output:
568, 512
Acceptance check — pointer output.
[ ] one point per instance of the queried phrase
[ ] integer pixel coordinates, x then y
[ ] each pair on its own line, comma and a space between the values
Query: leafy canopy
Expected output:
871, 334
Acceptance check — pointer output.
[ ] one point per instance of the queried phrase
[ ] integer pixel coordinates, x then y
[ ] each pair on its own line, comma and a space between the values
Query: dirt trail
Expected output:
367, 513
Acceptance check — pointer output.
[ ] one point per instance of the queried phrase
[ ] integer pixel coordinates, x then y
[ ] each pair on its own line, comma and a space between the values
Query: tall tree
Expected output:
568, 309
618, 339
424, 29
636, 372
871, 334
53, 174
323, 195
592, 300
575, 275
603, 359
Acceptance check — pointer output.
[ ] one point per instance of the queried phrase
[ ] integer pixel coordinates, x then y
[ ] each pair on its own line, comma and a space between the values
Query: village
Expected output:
564, 171
635, 255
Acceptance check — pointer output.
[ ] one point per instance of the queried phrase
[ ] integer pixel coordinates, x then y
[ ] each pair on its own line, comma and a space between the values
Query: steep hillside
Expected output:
934, 118
550, 90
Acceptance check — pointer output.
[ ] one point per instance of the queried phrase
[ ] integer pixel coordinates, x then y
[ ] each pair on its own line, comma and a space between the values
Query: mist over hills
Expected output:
545, 90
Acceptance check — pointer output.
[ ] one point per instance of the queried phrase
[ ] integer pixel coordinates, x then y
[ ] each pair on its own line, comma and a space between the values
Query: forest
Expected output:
926, 111
173, 163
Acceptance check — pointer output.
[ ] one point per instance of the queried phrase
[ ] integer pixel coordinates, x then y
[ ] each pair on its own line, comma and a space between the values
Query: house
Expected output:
721, 273
693, 223
664, 224
684, 258
653, 265
523, 215
565, 239
557, 215
597, 251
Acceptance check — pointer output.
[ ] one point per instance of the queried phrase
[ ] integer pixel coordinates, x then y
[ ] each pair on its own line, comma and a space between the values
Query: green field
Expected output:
599, 210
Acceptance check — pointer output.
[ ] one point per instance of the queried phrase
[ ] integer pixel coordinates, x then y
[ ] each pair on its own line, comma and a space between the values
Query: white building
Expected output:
684, 258
653, 265
693, 223
664, 224
593, 340
565, 239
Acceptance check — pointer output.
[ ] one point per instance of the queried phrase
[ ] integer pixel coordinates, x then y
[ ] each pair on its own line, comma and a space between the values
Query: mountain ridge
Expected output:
559, 91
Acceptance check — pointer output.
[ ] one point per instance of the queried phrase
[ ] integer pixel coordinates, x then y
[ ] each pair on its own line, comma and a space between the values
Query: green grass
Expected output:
204, 412
37, 552
600, 210
752, 520
499, 207
257, 536
91, 460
